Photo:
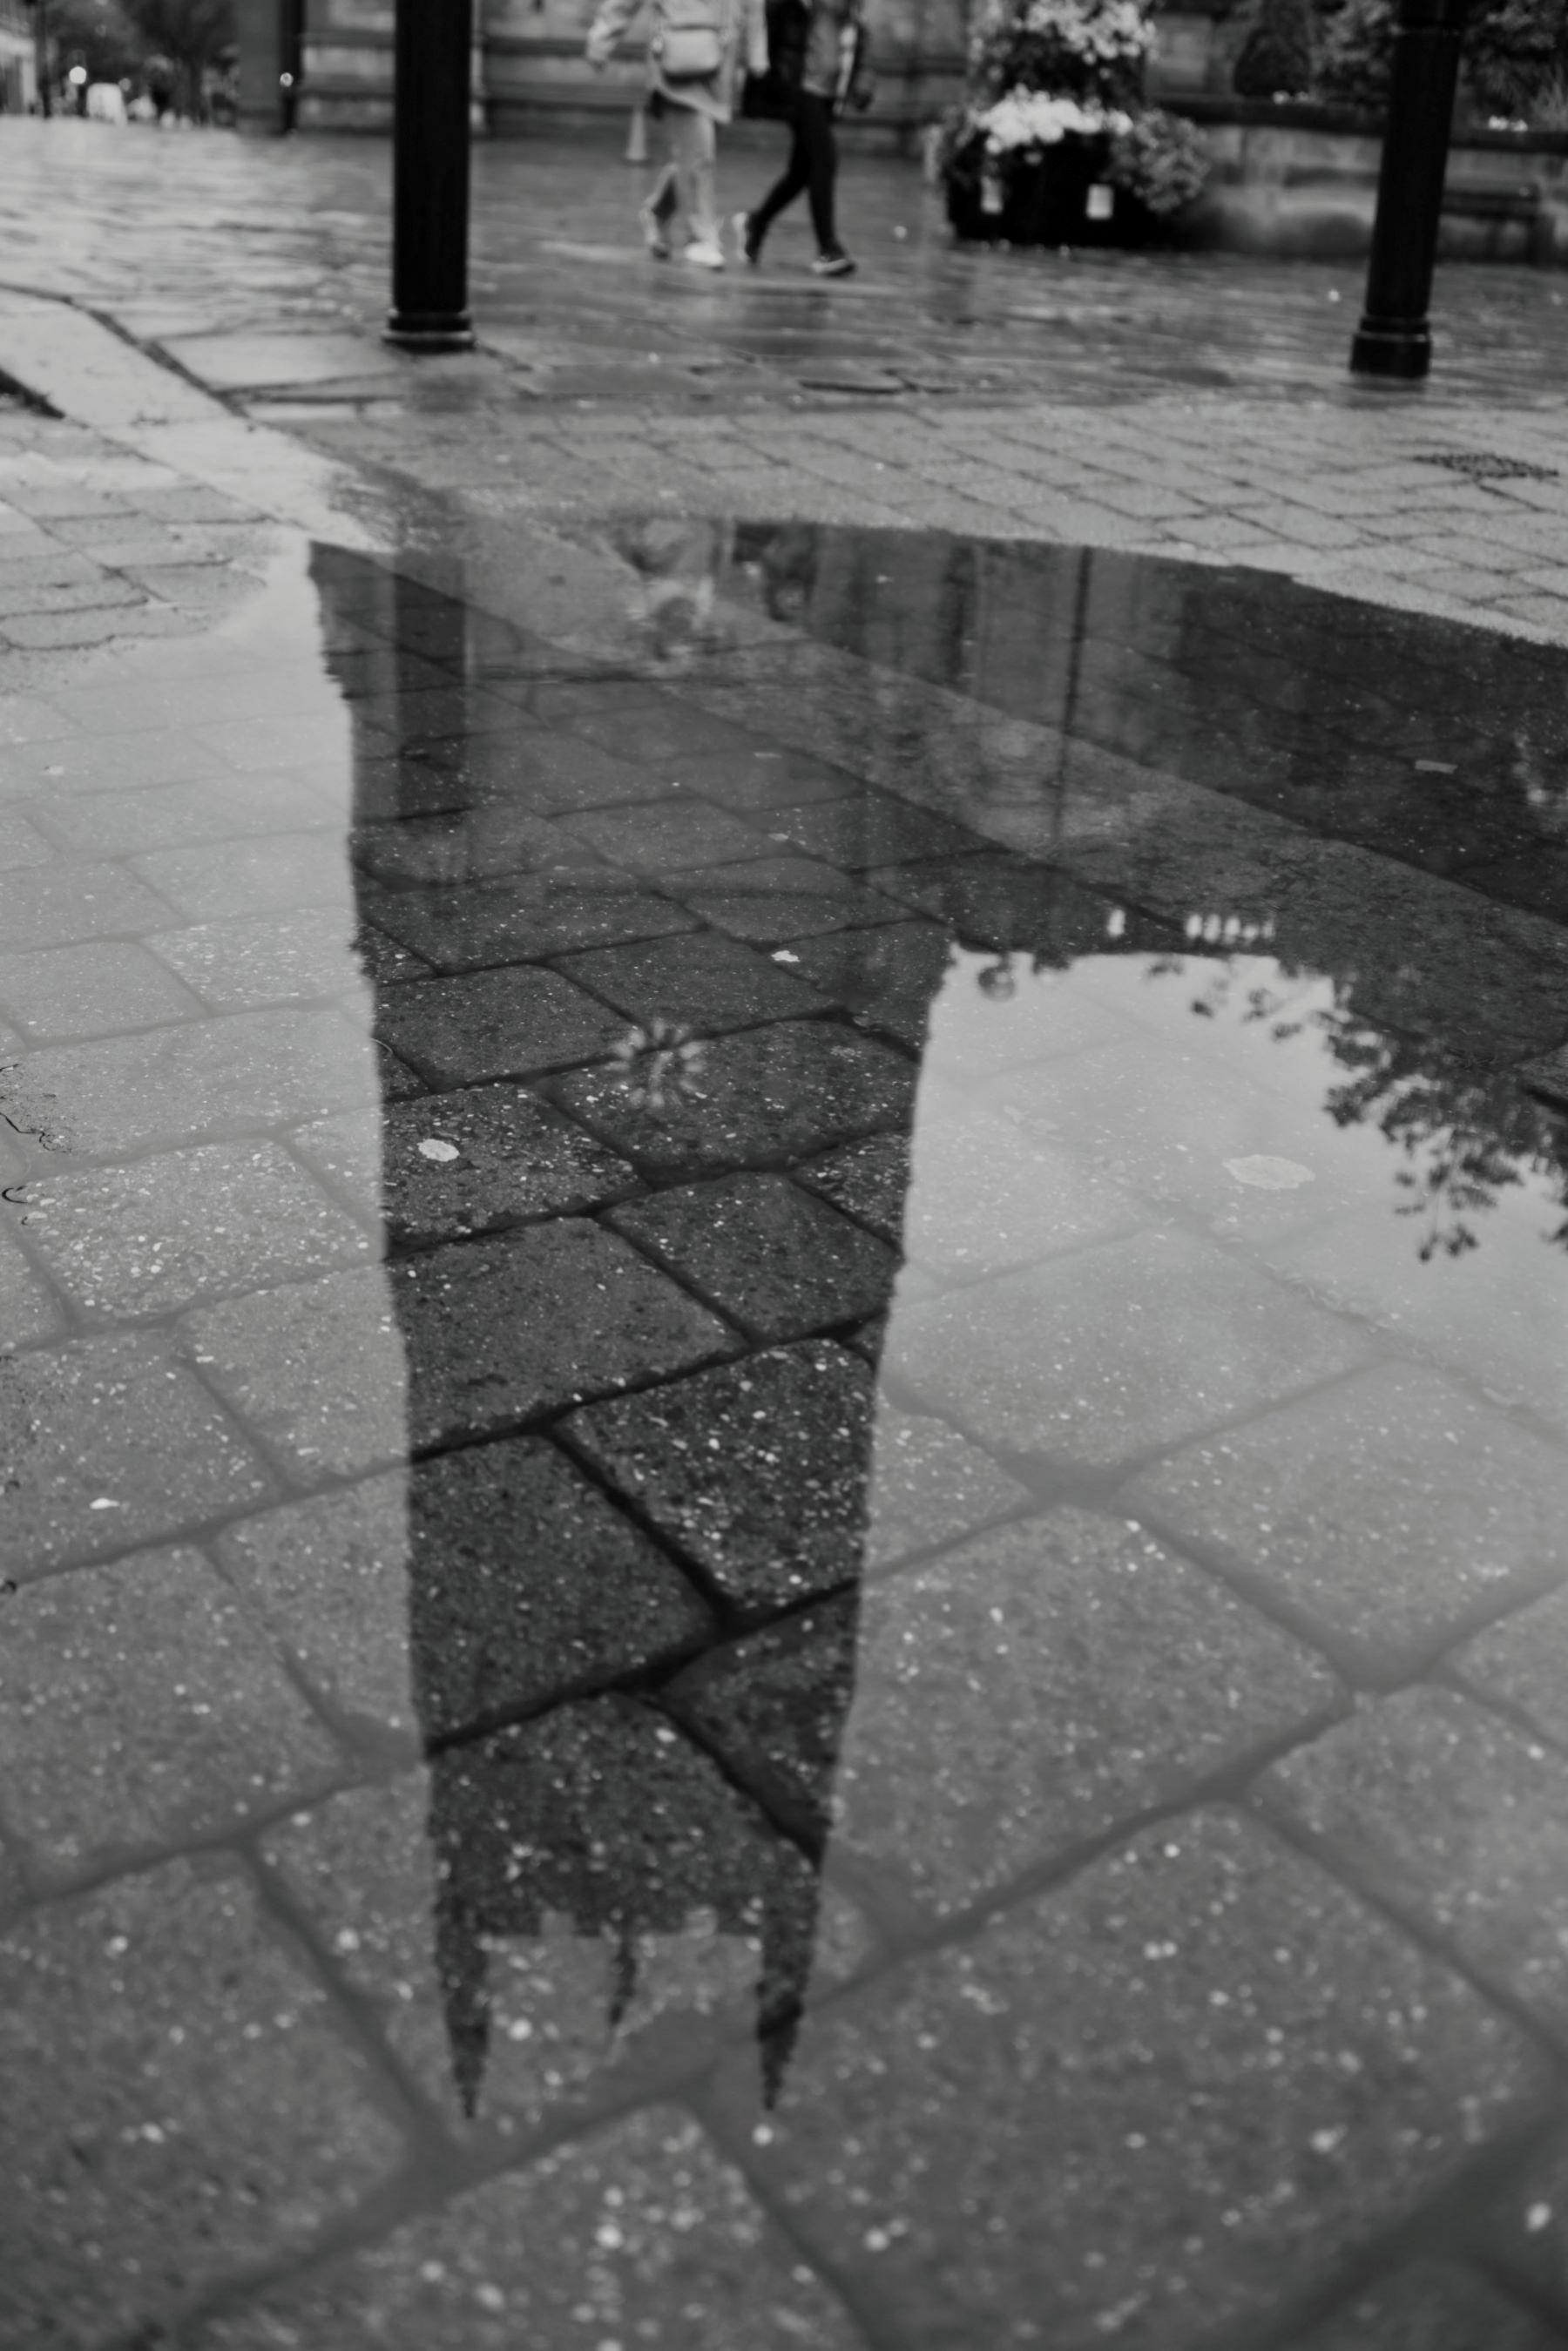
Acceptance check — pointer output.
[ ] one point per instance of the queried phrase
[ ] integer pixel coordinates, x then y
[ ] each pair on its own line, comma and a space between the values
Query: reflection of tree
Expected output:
1466, 1135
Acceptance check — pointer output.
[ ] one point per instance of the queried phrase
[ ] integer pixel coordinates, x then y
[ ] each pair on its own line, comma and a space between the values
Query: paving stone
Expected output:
1459, 1822
685, 2260
758, 1471
21, 845
277, 873
1492, 1314
692, 2260
700, 980
484, 843
328, 1580
1176, 2090
1114, 1351
775, 1707
869, 1180
106, 1443
1519, 1665
28, 1311
461, 928
984, 1197
179, 2107
1433, 2305
52, 905
763, 778
1385, 1516
773, 1258
139, 1711
1174, 1126
1526, 2235
772, 1095
122, 759
672, 836
173, 816
884, 977
96, 989
579, 1901
872, 829
316, 1369
424, 714
1014, 905
260, 959
503, 1157
499, 1332
549, 771
247, 1071
929, 1486
663, 730
780, 898
1025, 1692
493, 1024
158, 1234
525, 1584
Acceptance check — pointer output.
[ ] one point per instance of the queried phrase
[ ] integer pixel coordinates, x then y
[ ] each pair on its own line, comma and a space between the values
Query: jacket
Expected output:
743, 46
836, 58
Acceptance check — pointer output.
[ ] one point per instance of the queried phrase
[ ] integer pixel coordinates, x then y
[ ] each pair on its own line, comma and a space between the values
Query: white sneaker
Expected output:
705, 252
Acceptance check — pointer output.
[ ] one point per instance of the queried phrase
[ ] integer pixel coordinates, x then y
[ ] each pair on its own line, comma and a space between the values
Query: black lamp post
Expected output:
430, 177
1395, 338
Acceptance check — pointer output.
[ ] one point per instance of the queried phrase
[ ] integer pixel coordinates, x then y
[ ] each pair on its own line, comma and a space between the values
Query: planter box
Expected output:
1061, 198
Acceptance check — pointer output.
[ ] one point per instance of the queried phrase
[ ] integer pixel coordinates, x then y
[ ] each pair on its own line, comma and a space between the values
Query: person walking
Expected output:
819, 63
695, 51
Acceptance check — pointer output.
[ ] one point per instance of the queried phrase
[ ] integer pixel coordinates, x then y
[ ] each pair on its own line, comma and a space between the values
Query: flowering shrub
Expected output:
1074, 48
1055, 123
1026, 121
1161, 161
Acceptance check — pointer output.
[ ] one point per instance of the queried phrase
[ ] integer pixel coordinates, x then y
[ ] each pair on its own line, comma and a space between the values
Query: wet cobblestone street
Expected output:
783, 1405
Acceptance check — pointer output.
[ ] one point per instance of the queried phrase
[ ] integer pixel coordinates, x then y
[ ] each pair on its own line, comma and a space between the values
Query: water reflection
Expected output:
1193, 1126
963, 1323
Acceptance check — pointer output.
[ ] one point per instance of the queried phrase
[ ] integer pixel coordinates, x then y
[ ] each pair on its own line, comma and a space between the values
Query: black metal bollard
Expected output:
430, 177
1395, 338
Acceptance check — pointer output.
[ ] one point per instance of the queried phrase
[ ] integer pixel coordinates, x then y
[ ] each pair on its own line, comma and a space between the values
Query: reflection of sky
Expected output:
1203, 1089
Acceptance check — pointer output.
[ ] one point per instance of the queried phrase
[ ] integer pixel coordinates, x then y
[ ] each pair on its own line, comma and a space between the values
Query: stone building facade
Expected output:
528, 62
18, 60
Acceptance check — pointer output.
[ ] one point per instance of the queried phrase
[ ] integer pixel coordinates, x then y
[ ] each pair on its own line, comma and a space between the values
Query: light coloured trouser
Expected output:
687, 181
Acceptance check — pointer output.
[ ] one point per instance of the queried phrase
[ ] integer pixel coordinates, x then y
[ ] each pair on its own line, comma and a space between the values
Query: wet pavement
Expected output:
785, 1428
1189, 405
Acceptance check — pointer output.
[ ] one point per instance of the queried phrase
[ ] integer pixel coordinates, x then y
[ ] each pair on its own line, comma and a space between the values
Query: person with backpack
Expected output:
695, 51
819, 63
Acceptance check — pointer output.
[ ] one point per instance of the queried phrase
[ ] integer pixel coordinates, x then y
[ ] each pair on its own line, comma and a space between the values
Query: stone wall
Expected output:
530, 62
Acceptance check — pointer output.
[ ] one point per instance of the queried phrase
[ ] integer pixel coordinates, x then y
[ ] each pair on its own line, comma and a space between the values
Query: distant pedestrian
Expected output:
819, 63
695, 51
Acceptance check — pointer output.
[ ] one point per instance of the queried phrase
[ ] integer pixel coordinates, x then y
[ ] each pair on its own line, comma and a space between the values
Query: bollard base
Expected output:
429, 331
1397, 354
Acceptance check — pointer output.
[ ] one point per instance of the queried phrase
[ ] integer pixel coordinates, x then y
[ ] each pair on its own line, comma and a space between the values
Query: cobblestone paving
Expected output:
755, 1594
1195, 406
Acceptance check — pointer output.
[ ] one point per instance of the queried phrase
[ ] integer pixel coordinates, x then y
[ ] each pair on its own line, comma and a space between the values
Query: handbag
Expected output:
687, 43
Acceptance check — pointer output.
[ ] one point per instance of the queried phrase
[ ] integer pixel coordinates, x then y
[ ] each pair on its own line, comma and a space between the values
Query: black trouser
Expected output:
813, 167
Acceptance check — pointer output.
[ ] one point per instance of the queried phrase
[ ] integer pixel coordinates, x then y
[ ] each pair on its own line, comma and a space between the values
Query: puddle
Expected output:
785, 1421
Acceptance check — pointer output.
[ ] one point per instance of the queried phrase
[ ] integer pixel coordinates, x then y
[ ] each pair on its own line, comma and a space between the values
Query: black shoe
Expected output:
746, 236
835, 262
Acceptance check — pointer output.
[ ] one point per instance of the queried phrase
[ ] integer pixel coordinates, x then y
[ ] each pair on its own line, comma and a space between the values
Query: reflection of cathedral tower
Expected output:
590, 1805
580, 1809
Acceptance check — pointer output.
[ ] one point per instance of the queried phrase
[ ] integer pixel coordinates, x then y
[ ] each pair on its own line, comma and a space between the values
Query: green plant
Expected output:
1550, 110
1161, 161
1515, 50
1515, 57
1069, 48
1276, 57
1356, 53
